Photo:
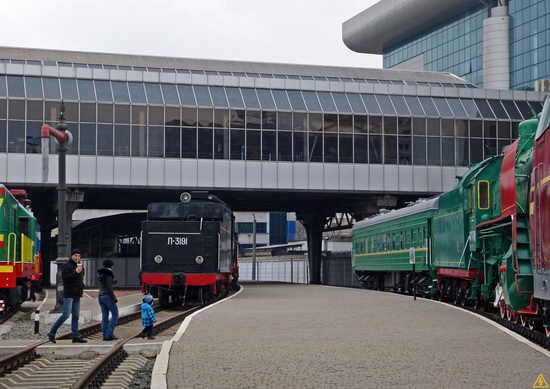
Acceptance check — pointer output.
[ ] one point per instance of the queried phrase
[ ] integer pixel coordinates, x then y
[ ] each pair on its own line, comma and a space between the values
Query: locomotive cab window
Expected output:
483, 194
24, 226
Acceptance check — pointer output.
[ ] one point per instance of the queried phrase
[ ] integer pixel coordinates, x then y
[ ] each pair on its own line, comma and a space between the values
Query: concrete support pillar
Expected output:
314, 229
496, 49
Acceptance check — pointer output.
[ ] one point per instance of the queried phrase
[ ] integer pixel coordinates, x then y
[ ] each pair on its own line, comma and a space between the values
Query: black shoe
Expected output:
151, 337
79, 340
142, 335
111, 338
51, 338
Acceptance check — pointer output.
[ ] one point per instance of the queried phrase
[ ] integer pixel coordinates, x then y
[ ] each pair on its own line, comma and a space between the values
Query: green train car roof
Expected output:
474, 170
419, 207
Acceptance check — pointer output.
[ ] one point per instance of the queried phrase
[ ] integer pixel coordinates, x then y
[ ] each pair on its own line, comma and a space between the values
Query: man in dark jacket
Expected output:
72, 274
107, 300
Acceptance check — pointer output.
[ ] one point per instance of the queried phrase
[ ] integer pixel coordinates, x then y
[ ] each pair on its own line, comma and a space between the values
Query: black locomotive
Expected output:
188, 249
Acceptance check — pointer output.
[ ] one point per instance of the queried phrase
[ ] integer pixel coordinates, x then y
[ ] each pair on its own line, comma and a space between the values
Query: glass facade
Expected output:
161, 120
456, 45
529, 42
277, 228
248, 227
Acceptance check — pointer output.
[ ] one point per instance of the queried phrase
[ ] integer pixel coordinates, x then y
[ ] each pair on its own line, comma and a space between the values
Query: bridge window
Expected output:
189, 142
172, 139
221, 143
284, 146
315, 147
238, 146
300, 146
269, 142
205, 143
105, 139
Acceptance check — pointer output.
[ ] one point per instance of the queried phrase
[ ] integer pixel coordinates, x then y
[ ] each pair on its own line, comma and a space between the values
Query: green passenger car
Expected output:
382, 248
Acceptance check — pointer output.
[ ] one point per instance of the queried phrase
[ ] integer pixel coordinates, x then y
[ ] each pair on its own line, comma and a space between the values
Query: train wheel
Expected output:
459, 296
523, 320
482, 305
502, 308
164, 296
202, 300
511, 316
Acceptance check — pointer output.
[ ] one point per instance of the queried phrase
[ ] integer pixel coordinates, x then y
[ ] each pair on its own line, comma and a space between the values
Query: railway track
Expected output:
85, 367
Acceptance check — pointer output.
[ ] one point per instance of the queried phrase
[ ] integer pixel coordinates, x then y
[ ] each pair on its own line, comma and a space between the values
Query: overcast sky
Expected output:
284, 31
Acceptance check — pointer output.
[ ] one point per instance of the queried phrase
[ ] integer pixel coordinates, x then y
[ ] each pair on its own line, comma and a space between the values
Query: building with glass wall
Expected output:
493, 44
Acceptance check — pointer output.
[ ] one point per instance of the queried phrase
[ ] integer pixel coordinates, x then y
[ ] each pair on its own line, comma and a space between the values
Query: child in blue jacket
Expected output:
147, 317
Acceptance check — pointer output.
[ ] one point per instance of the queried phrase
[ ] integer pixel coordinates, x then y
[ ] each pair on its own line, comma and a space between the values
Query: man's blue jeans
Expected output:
107, 304
71, 307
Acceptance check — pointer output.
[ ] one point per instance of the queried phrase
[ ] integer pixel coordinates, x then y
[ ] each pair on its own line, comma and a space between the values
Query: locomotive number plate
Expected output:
176, 241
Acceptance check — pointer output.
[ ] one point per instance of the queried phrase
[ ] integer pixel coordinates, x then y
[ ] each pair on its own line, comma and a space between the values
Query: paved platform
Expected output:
310, 336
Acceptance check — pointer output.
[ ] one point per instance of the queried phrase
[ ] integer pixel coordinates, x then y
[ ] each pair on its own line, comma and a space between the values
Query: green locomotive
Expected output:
471, 244
20, 260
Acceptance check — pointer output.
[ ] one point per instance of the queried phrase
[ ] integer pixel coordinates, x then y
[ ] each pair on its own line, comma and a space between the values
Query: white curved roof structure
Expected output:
389, 20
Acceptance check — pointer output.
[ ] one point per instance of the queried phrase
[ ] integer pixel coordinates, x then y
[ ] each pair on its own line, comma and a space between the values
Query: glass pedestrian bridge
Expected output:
155, 121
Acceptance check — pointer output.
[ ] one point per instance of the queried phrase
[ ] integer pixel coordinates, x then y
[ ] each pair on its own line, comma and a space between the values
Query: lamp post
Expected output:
62, 237
63, 138
254, 248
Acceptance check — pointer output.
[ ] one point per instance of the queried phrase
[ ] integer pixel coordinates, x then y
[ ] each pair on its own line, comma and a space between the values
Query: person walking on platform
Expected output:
72, 274
107, 300
147, 317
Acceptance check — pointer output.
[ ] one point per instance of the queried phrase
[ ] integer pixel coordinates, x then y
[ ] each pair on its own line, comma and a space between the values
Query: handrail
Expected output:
11, 236
536, 216
464, 249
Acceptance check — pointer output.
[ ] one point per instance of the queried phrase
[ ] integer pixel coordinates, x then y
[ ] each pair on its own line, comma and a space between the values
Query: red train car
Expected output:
539, 212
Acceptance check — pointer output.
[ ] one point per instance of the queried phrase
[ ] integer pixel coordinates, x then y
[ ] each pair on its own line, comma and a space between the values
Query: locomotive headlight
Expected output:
158, 259
199, 259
